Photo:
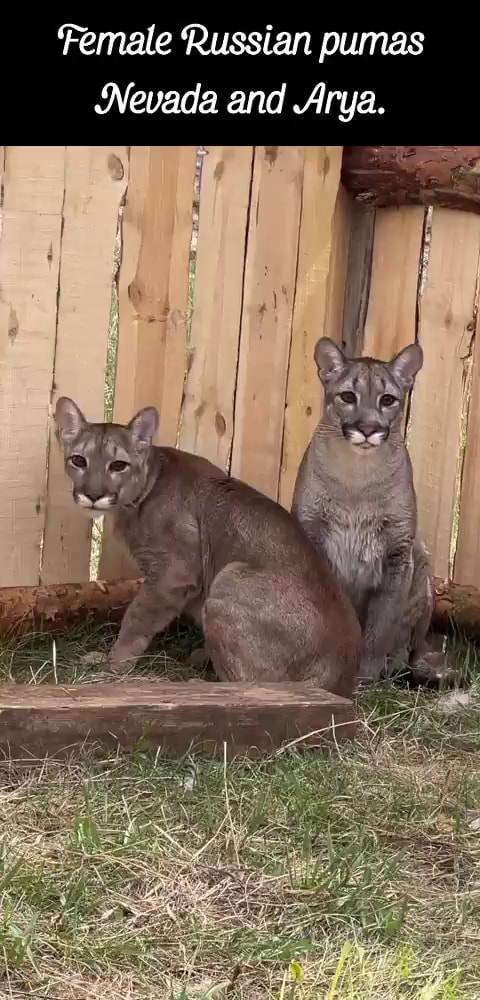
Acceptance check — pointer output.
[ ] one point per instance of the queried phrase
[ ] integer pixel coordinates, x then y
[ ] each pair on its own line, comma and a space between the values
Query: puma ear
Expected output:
69, 420
143, 426
329, 359
406, 365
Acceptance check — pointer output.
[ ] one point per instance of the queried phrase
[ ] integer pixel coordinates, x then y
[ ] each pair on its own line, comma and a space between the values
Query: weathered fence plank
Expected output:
467, 557
445, 332
153, 302
95, 180
337, 282
321, 179
359, 272
207, 417
269, 296
153, 284
391, 315
33, 185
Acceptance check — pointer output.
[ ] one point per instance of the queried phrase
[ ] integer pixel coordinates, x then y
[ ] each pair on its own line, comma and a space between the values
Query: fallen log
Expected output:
58, 607
448, 176
177, 717
457, 608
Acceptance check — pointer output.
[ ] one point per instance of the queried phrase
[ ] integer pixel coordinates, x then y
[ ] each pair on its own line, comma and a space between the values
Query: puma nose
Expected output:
93, 496
369, 429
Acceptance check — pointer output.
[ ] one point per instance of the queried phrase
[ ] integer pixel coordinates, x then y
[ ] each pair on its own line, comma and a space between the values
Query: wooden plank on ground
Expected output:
392, 305
321, 179
153, 302
95, 181
269, 297
33, 186
207, 416
178, 717
467, 557
445, 333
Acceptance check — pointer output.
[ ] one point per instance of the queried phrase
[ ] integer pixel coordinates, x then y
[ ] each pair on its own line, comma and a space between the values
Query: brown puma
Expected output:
214, 548
355, 499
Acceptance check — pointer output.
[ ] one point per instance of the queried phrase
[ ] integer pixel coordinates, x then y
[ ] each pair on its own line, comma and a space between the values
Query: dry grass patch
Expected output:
349, 872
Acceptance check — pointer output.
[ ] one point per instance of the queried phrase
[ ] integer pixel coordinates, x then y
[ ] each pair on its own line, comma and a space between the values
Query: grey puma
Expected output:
211, 547
355, 499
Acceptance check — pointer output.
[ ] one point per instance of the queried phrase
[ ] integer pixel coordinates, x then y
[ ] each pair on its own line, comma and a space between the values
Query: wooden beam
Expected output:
177, 717
57, 607
448, 176
457, 607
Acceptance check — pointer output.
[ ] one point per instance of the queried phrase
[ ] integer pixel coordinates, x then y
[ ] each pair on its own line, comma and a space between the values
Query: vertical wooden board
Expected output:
321, 180
359, 271
153, 302
3, 150
269, 295
33, 184
207, 418
153, 284
445, 332
467, 557
95, 182
391, 315
338, 274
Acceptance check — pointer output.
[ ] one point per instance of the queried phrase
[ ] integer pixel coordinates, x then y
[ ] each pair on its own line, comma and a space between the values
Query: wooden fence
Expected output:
283, 255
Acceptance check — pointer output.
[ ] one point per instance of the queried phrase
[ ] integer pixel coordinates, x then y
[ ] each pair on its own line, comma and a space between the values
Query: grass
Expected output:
333, 874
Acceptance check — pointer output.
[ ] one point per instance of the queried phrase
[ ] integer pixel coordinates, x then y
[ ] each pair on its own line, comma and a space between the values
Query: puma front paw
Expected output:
109, 663
371, 669
95, 658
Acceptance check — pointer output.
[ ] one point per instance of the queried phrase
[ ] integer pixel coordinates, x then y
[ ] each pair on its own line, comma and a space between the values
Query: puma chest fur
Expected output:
355, 545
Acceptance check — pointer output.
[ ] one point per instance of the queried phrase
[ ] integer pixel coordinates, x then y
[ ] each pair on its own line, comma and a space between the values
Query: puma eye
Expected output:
387, 399
348, 397
78, 461
118, 466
